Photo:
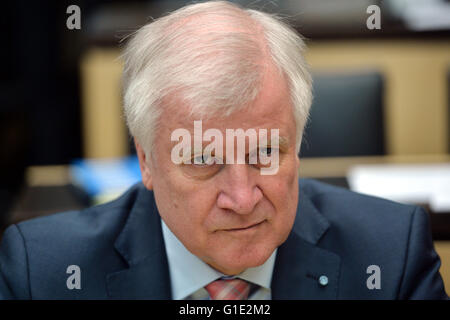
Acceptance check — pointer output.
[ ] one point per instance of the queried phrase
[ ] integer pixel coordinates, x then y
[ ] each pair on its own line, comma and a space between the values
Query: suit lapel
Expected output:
300, 262
141, 244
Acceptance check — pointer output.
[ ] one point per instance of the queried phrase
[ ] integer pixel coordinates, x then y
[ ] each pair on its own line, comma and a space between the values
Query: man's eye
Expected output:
265, 151
203, 160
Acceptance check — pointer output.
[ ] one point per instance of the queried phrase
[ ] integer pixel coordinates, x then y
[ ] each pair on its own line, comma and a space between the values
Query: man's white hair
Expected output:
212, 56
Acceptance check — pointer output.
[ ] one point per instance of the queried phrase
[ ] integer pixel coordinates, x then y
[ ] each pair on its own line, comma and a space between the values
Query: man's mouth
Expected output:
246, 228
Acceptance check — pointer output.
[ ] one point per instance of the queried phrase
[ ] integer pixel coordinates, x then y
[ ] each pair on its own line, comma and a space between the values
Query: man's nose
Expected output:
240, 192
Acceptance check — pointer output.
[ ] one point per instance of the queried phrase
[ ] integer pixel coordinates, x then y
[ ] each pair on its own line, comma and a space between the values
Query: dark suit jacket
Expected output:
120, 250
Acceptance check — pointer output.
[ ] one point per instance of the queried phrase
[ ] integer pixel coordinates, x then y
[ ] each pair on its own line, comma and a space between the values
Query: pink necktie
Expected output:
228, 289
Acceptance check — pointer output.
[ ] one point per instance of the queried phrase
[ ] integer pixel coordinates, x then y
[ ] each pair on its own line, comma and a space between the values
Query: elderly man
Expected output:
207, 222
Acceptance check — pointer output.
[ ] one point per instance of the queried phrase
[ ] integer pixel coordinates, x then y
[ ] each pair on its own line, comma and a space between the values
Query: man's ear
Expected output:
144, 164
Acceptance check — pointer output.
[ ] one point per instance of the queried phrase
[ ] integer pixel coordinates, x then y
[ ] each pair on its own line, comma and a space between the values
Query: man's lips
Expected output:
245, 228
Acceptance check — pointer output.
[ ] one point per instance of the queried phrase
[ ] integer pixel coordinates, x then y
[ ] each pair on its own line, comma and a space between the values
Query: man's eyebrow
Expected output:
283, 142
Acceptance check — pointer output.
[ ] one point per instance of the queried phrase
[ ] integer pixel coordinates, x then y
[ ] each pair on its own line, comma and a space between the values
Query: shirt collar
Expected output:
188, 273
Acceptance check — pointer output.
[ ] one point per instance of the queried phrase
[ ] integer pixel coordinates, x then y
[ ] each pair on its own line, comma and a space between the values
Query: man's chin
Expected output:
237, 264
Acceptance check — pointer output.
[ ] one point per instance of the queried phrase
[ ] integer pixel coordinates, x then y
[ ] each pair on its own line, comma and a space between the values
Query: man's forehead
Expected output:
244, 118
271, 108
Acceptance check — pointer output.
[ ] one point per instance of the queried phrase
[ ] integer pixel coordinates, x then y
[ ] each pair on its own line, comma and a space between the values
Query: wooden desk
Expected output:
339, 166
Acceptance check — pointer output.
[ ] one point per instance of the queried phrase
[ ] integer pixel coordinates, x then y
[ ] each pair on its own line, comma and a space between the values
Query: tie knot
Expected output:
228, 289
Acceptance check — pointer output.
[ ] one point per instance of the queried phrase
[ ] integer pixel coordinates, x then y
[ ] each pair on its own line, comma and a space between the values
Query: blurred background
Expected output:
379, 122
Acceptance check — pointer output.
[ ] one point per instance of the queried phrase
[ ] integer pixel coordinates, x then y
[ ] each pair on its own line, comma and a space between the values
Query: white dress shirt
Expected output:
189, 274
